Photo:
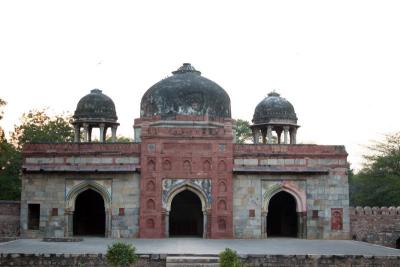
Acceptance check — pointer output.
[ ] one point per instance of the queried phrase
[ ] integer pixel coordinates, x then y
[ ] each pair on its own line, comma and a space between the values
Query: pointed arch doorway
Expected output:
89, 218
282, 218
186, 215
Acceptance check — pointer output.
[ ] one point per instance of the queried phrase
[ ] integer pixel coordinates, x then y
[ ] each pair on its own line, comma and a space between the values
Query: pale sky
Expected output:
337, 62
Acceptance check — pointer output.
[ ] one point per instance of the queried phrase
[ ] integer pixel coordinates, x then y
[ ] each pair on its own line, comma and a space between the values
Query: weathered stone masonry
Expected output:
315, 175
9, 219
376, 225
55, 174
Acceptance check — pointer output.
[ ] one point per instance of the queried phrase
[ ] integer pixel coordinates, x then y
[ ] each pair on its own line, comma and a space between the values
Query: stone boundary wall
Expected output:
321, 260
377, 225
155, 260
9, 219
73, 260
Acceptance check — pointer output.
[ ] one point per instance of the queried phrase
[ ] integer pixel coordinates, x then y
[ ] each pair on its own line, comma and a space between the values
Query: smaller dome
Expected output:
95, 107
274, 109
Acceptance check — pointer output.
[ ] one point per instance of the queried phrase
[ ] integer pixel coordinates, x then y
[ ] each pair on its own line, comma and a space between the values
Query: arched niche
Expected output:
70, 201
205, 205
299, 195
301, 206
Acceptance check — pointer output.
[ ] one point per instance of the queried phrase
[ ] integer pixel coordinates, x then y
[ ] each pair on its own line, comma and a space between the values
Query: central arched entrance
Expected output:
282, 216
186, 215
89, 215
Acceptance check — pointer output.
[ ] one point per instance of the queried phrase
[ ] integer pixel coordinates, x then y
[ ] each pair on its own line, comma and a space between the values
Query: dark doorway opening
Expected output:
186, 216
398, 243
33, 216
282, 216
89, 214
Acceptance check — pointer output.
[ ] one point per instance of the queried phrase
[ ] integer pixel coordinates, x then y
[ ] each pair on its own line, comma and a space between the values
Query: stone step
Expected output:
192, 261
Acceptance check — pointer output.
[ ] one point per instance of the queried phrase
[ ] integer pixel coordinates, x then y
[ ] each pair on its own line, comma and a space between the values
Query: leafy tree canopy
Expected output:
10, 165
38, 127
378, 183
243, 131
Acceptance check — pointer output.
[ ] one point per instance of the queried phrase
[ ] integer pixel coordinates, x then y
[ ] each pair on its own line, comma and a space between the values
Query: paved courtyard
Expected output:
180, 246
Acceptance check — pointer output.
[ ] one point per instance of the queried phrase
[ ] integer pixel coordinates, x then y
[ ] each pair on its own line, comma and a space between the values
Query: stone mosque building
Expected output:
184, 174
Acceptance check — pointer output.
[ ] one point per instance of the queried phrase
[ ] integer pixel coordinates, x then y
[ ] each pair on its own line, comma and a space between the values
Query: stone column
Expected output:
166, 224
256, 136
302, 224
77, 137
85, 132
279, 134
285, 134
208, 224
204, 224
304, 230
293, 132
114, 133
90, 133
264, 215
264, 136
102, 135
69, 219
108, 223
269, 134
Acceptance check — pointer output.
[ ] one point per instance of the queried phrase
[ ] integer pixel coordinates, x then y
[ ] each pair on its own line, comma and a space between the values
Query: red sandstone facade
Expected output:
186, 153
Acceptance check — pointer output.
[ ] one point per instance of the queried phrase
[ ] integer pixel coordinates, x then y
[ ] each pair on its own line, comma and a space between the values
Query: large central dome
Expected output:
185, 93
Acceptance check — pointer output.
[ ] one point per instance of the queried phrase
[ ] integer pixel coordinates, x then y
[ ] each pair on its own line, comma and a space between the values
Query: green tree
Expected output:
38, 127
378, 183
10, 165
229, 258
120, 254
243, 131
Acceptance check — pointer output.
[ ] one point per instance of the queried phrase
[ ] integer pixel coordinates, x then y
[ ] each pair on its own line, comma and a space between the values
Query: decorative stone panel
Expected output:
170, 185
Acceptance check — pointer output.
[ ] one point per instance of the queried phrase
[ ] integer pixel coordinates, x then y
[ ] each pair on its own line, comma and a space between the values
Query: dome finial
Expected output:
95, 91
274, 93
185, 68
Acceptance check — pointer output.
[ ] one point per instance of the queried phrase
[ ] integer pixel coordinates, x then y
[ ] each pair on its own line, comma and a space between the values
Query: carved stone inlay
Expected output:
170, 185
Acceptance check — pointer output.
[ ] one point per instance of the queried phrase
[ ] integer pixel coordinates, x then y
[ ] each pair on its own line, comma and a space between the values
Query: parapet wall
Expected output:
155, 260
81, 157
377, 225
9, 219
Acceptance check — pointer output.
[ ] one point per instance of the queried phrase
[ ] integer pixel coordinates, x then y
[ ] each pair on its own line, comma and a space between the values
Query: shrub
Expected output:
121, 255
229, 258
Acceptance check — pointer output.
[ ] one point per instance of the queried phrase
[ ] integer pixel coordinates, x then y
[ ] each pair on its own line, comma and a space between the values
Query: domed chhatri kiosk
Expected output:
184, 175
95, 110
277, 114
